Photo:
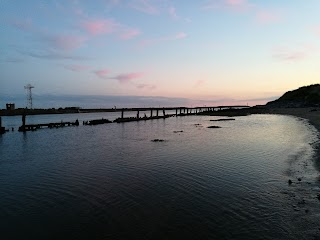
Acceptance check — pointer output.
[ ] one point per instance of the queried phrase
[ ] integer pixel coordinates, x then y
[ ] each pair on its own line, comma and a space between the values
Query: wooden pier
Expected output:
32, 127
96, 122
155, 113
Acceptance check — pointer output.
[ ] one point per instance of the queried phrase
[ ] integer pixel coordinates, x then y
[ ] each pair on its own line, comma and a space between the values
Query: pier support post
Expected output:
176, 111
2, 130
164, 112
157, 112
151, 113
138, 114
180, 111
121, 113
23, 120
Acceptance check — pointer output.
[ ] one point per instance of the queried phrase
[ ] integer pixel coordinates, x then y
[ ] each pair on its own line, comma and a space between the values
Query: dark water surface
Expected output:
112, 182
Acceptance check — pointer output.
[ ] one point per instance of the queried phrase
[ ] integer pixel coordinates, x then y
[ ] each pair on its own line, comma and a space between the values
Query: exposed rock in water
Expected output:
222, 119
289, 182
177, 131
214, 127
157, 140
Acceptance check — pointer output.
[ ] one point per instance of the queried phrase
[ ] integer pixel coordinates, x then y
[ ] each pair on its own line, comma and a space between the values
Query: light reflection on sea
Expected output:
112, 182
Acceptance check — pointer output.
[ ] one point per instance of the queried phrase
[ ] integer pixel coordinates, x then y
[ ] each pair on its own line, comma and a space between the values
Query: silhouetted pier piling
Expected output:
2, 129
32, 127
96, 122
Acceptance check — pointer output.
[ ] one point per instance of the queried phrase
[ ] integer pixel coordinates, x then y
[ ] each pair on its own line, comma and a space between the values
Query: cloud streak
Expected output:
51, 55
146, 86
129, 34
177, 36
126, 78
103, 73
144, 6
77, 68
64, 42
298, 54
22, 25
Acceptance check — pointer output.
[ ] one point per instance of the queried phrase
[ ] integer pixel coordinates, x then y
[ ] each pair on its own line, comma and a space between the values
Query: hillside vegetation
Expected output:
308, 96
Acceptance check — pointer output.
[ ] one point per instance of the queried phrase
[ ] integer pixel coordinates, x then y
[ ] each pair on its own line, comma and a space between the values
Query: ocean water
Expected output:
112, 181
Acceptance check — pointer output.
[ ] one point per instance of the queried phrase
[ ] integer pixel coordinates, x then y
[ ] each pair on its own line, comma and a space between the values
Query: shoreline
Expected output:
307, 113
312, 115
304, 195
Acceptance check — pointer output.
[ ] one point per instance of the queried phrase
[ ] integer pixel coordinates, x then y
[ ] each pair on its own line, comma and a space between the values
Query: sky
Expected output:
206, 51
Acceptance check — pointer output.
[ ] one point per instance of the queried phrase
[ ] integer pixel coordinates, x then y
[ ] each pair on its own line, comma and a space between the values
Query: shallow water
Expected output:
112, 182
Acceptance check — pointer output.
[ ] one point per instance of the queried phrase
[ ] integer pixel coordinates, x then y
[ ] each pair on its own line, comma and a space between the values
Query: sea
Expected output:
112, 181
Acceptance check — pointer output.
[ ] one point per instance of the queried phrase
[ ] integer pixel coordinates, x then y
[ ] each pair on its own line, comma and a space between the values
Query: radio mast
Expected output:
28, 88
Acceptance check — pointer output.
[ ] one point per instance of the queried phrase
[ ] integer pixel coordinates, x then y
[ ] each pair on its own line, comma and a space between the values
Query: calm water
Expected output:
112, 182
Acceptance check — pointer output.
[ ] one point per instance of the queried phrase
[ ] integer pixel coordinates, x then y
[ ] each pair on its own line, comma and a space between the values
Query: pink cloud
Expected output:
103, 73
126, 78
101, 26
144, 6
76, 68
267, 17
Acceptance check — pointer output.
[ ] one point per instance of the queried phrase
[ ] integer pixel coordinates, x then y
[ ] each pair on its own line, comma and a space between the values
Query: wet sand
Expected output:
308, 113
304, 193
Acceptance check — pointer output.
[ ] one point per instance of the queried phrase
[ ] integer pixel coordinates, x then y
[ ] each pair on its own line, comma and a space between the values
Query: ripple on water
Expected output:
112, 181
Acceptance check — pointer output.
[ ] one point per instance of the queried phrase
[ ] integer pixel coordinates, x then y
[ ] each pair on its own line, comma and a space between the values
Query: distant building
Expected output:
10, 106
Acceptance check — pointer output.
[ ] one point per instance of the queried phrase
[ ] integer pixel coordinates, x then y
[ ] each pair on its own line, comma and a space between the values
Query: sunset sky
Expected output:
232, 50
